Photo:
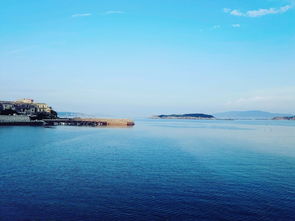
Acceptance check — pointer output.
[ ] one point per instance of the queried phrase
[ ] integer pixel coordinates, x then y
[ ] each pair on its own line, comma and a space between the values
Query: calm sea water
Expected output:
158, 170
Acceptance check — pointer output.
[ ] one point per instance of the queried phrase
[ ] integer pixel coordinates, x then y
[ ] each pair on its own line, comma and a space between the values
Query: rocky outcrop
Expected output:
284, 118
185, 116
27, 107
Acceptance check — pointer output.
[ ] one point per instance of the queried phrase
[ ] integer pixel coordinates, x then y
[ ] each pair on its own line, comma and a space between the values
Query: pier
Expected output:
89, 122
19, 120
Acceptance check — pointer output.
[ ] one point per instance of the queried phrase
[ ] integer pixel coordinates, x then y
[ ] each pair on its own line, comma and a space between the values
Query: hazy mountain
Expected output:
72, 114
83, 115
254, 114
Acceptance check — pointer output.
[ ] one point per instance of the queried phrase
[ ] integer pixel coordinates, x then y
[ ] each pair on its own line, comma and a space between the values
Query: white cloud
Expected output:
259, 12
216, 27
269, 102
275, 99
227, 10
236, 25
81, 15
236, 13
113, 12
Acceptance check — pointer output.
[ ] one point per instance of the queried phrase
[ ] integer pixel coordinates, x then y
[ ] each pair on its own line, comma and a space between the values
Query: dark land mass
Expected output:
284, 118
184, 116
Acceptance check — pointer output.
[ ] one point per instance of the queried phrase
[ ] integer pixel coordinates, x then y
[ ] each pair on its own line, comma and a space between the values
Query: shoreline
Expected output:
21, 120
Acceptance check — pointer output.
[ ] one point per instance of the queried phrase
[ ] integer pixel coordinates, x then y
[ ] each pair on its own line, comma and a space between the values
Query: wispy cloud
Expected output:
114, 12
275, 99
81, 15
236, 25
22, 50
270, 102
258, 12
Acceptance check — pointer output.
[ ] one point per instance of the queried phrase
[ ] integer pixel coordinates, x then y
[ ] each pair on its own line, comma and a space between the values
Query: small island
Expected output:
26, 112
195, 116
284, 118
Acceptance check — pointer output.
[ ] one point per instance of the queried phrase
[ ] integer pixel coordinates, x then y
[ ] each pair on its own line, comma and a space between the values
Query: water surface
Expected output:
157, 170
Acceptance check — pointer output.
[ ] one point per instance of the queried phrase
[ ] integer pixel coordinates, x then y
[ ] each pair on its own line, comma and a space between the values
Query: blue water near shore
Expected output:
158, 170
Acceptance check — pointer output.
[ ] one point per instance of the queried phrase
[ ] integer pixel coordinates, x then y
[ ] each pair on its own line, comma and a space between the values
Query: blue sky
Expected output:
131, 57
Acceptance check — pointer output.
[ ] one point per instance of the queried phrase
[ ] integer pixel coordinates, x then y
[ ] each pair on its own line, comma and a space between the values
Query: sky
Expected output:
145, 57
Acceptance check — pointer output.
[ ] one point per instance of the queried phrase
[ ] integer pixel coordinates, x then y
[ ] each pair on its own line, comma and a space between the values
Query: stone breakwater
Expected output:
108, 122
18, 120
92, 122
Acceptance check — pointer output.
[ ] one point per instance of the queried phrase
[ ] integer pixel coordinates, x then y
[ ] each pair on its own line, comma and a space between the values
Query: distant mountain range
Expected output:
249, 115
72, 114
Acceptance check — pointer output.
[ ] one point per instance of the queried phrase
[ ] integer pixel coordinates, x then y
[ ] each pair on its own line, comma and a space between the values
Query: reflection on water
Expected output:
158, 170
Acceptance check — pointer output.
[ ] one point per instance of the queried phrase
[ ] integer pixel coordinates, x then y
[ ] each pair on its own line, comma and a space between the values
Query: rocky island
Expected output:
284, 118
196, 116
26, 112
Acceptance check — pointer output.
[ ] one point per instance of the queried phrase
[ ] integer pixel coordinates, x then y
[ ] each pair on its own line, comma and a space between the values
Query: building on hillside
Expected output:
25, 100
42, 107
6, 105
26, 107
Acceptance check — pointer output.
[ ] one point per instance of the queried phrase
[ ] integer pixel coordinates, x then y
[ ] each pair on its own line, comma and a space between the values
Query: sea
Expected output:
195, 170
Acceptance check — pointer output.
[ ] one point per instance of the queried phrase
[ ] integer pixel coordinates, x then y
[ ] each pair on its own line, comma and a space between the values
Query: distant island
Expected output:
284, 118
185, 116
231, 115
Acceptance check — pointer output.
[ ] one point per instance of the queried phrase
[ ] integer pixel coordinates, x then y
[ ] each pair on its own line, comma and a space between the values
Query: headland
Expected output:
26, 112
